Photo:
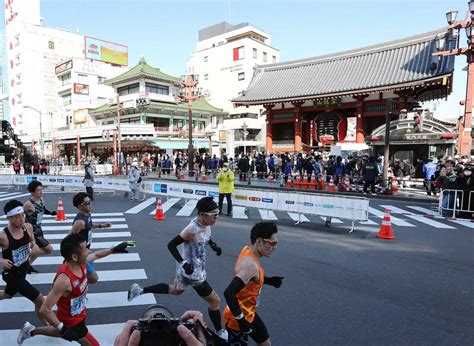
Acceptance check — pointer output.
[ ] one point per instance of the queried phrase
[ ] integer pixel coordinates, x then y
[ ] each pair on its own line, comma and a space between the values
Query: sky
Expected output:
165, 32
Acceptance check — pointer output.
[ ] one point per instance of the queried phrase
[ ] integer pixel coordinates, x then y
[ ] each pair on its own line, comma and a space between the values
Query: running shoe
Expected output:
134, 291
25, 332
223, 334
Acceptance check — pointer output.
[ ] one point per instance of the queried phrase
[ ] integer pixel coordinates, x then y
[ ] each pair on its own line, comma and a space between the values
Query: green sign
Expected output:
142, 119
327, 102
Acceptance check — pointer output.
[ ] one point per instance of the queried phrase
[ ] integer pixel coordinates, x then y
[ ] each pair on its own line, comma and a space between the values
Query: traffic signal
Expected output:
142, 102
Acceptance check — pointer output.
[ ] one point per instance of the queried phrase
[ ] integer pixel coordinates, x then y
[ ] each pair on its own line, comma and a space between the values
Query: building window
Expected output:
50, 44
100, 80
129, 89
66, 99
264, 57
157, 89
274, 59
255, 53
241, 76
206, 76
65, 78
205, 58
238, 53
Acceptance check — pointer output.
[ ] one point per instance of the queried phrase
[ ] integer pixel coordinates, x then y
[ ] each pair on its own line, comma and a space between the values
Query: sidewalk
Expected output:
404, 194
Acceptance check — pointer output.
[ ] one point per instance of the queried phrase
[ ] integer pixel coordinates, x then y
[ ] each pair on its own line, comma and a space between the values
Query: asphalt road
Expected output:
339, 288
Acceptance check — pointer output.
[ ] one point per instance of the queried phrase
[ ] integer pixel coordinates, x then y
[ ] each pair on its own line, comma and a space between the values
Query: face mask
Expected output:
467, 173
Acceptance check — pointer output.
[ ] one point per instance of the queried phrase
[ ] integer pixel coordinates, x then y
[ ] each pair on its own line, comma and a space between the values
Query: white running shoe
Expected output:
223, 334
134, 291
25, 332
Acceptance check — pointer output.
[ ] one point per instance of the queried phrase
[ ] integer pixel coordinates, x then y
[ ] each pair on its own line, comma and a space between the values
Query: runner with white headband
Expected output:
18, 244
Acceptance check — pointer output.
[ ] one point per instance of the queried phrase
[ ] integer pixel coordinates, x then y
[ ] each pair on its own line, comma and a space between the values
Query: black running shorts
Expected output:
19, 284
203, 289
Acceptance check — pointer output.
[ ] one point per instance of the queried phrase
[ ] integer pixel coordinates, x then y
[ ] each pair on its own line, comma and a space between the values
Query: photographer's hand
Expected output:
188, 337
126, 337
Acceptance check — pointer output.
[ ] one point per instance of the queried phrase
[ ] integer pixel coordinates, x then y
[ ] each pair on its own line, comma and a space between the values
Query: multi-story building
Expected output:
4, 113
225, 58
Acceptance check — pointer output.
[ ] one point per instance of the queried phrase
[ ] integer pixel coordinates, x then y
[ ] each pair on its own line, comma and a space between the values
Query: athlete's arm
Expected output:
49, 212
120, 248
101, 225
77, 226
245, 271
28, 208
61, 287
35, 250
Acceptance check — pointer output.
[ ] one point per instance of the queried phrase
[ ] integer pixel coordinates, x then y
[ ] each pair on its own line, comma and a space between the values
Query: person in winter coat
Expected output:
134, 180
89, 179
225, 178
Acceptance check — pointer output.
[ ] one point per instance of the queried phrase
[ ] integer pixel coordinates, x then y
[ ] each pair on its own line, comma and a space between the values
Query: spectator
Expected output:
369, 173
134, 180
429, 170
225, 178
447, 181
89, 179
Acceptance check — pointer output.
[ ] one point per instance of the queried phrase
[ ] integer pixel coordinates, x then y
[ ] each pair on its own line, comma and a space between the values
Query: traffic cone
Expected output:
159, 215
270, 178
181, 175
60, 216
386, 227
331, 187
204, 176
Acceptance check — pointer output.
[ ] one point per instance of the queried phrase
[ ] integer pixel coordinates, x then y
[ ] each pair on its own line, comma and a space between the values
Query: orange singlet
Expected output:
248, 296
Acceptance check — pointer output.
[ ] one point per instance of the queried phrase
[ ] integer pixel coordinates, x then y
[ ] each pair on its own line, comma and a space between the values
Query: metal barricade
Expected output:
456, 204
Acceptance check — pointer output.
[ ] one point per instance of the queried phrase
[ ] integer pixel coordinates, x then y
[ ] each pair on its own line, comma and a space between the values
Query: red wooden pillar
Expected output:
298, 125
269, 136
360, 133
78, 151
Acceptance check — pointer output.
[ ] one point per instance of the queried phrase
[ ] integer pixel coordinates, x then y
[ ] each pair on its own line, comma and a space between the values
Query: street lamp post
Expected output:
464, 146
190, 93
118, 141
41, 129
245, 127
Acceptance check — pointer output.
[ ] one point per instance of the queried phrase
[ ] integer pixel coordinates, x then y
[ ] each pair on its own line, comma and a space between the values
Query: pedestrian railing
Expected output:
456, 204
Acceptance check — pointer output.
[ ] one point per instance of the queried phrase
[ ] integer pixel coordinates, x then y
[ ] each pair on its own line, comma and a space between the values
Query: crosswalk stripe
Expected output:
395, 221
9, 194
423, 210
94, 301
73, 215
464, 223
119, 257
167, 205
67, 227
333, 220
104, 275
94, 245
188, 208
104, 333
16, 196
267, 214
100, 234
69, 221
239, 213
298, 217
138, 208
418, 218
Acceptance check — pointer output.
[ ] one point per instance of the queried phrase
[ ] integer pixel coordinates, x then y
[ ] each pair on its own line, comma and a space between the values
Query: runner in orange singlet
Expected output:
242, 294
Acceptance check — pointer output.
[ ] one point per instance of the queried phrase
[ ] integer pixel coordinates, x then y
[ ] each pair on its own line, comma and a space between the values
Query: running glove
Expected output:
214, 247
244, 326
70, 334
122, 247
274, 281
188, 268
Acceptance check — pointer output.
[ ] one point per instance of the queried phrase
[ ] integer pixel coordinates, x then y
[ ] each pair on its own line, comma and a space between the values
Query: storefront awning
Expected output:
178, 144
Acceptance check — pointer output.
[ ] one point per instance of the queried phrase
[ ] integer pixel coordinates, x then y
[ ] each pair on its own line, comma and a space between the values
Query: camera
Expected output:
158, 327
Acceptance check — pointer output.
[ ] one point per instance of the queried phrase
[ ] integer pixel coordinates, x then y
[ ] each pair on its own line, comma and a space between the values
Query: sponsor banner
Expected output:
113, 53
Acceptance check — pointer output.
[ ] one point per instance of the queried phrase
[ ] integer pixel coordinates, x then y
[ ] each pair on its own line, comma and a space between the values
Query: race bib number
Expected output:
39, 219
78, 304
20, 256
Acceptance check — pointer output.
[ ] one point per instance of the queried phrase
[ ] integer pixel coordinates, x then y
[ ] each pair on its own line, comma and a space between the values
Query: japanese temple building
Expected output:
344, 97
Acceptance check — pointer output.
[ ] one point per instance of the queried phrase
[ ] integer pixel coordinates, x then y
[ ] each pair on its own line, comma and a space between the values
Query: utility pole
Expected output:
386, 152
119, 137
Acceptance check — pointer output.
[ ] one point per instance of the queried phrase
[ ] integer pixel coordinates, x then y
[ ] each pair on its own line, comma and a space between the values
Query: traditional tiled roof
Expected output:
398, 64
143, 70
199, 106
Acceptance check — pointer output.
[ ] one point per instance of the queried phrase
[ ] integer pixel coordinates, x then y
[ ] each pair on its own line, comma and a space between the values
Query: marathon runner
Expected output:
34, 211
69, 293
83, 225
18, 244
191, 268
242, 294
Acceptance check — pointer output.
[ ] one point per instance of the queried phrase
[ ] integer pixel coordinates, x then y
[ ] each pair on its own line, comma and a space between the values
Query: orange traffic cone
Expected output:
270, 178
60, 216
159, 215
386, 227
204, 176
181, 174
331, 187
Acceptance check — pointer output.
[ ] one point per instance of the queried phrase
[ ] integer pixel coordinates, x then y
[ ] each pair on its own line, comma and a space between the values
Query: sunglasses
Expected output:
212, 214
272, 243
86, 202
